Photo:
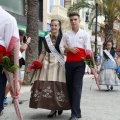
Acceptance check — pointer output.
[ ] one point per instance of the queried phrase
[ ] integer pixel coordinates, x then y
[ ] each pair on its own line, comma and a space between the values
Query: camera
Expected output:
24, 39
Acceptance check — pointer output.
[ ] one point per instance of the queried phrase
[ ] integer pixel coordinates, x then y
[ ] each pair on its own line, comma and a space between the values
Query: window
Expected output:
83, 13
61, 2
48, 27
51, 4
15, 6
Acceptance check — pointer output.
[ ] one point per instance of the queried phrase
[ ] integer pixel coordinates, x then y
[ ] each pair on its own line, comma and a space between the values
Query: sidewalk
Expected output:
95, 105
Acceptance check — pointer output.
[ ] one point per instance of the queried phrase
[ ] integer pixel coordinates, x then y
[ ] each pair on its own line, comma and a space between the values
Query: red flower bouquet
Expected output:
35, 66
88, 59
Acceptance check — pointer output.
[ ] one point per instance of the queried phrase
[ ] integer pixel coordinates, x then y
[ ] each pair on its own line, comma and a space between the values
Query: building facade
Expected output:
17, 9
91, 30
57, 9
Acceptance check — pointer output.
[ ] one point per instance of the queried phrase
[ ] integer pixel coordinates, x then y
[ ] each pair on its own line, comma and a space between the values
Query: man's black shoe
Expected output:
111, 87
1, 113
73, 118
80, 116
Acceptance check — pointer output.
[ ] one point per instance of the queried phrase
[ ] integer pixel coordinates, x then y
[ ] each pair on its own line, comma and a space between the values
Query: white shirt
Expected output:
20, 55
80, 39
8, 28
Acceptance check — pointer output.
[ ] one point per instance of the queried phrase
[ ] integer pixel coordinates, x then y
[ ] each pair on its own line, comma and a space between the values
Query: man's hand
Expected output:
74, 50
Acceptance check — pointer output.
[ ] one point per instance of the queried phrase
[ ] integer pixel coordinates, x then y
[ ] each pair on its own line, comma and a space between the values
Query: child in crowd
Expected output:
107, 75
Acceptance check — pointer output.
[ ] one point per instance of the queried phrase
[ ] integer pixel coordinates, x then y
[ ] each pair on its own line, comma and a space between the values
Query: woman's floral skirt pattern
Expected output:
49, 95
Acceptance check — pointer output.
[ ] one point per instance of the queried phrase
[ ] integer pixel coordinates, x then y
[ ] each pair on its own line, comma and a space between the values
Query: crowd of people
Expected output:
57, 86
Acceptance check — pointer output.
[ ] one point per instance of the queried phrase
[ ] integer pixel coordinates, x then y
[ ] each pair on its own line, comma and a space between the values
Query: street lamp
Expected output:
95, 55
106, 19
94, 29
86, 18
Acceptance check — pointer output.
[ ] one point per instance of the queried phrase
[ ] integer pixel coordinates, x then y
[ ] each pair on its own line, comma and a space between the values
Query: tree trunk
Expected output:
32, 31
109, 35
25, 7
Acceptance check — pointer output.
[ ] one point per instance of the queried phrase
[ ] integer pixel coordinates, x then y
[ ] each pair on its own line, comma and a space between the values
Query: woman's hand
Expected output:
28, 40
66, 46
41, 57
66, 49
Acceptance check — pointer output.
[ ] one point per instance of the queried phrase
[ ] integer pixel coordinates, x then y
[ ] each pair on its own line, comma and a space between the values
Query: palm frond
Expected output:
111, 8
91, 21
77, 6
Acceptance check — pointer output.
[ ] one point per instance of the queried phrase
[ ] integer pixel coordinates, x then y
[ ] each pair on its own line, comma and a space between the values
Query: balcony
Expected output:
58, 12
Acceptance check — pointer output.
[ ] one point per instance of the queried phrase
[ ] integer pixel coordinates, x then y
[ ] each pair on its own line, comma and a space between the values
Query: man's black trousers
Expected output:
74, 80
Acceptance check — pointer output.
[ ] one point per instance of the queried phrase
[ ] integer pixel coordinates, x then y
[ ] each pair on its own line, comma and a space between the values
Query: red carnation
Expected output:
31, 67
88, 54
88, 59
35, 65
7, 54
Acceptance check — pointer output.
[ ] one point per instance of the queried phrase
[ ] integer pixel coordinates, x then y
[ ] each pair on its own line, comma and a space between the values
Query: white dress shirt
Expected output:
80, 39
8, 28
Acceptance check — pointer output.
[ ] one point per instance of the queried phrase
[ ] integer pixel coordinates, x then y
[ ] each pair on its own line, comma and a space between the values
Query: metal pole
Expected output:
95, 56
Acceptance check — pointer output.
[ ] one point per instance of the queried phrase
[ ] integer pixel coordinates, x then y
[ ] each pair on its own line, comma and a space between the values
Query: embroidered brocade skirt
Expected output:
108, 77
49, 89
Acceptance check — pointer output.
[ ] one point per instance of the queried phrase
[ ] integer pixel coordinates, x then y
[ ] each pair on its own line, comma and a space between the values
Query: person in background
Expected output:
101, 57
23, 47
107, 75
118, 57
75, 44
87, 69
9, 41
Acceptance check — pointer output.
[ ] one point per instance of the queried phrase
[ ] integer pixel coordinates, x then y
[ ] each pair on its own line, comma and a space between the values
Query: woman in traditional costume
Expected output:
107, 75
49, 84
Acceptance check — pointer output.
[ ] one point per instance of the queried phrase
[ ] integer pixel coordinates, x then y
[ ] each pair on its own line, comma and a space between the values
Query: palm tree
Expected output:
117, 37
79, 5
32, 31
109, 8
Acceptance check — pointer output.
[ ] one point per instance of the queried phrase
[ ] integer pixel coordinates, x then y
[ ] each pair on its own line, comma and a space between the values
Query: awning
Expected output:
22, 27
41, 33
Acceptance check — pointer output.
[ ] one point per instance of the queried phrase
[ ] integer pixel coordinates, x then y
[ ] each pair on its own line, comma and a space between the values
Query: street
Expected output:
95, 105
